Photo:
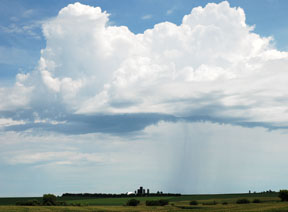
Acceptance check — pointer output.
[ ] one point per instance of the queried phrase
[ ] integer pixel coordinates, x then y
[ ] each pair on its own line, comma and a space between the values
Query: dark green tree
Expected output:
49, 199
133, 202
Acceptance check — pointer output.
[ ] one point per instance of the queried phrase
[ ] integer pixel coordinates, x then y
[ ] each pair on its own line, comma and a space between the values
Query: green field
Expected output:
269, 203
111, 201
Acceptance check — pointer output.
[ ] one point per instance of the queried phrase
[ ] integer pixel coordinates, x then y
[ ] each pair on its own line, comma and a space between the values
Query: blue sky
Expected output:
91, 101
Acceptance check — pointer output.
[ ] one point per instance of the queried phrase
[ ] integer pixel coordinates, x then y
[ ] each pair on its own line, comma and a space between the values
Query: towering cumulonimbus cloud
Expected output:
211, 65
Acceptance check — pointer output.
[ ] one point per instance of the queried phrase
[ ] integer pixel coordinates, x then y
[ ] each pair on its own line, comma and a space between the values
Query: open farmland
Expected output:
269, 202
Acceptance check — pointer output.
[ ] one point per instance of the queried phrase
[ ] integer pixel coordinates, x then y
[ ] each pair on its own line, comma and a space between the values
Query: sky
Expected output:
104, 96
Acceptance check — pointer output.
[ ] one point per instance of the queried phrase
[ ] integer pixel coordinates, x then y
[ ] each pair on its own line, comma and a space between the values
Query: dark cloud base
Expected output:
111, 124
123, 123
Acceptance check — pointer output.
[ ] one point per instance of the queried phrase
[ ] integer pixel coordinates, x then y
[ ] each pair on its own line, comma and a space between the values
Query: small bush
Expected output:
133, 202
160, 202
242, 201
193, 202
224, 203
256, 201
283, 194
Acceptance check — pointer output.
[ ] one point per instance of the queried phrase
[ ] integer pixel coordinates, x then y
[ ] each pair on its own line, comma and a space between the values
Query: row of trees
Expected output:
103, 195
47, 200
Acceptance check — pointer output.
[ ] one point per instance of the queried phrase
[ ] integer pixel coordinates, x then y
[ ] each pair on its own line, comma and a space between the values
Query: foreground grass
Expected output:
262, 207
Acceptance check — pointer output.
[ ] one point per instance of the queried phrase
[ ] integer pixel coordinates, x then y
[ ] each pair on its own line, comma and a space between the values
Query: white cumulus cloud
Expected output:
212, 64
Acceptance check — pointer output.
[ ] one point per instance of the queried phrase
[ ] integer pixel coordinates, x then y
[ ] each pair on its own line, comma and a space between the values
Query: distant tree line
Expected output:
47, 200
268, 191
104, 195
97, 195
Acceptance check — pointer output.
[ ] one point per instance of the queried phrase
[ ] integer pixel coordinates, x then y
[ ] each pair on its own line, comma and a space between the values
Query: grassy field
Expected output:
112, 201
269, 203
